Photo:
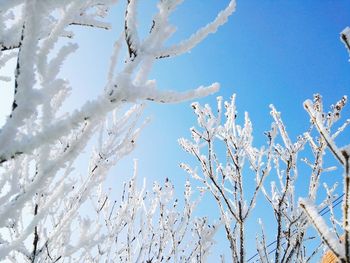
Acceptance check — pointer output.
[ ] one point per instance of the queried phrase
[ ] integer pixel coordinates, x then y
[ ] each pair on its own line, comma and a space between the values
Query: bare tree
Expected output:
42, 199
226, 156
225, 180
240, 162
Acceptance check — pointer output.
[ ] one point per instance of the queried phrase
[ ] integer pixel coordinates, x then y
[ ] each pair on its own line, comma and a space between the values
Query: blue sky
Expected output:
279, 52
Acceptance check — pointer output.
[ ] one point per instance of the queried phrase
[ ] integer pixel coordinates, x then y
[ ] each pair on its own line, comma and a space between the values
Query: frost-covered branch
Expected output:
345, 38
323, 122
129, 85
42, 197
226, 179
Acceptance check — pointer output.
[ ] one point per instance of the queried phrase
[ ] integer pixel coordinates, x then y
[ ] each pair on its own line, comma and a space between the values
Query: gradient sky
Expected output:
279, 52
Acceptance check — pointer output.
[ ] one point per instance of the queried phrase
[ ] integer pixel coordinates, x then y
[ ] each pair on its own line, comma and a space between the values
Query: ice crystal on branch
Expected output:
41, 196
226, 177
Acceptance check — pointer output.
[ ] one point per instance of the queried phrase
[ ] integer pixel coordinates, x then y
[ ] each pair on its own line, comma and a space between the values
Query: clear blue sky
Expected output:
279, 52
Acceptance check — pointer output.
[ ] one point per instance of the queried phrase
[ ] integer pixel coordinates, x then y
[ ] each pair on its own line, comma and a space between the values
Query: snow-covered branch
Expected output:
226, 179
42, 197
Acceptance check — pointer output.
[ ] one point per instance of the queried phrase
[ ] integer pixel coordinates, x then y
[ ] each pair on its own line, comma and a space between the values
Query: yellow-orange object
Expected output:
329, 257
